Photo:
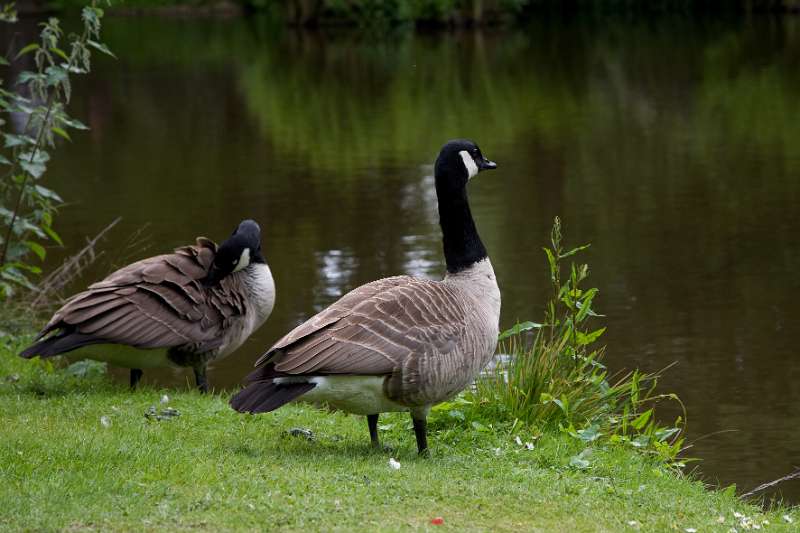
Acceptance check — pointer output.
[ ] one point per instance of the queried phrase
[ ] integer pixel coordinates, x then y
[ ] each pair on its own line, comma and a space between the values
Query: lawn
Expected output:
79, 453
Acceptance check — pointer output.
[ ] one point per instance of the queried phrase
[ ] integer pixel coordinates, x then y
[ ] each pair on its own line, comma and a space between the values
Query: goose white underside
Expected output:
361, 395
123, 356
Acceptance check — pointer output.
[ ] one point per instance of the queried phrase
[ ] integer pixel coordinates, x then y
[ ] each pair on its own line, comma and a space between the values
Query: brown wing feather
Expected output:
334, 312
374, 329
155, 302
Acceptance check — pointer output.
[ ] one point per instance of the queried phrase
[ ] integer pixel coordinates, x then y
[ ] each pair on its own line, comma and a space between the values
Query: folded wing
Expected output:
153, 303
372, 330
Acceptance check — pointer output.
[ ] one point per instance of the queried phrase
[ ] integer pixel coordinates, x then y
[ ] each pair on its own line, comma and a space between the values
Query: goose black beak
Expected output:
485, 164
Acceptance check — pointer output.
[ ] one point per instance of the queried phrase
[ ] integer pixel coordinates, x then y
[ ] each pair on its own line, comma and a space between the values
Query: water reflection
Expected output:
673, 146
335, 270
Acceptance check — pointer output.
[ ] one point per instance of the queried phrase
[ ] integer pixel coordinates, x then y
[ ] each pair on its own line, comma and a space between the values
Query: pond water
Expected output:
673, 146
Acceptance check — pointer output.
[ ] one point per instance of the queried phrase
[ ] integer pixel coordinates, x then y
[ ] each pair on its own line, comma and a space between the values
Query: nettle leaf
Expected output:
26, 76
11, 273
101, 47
551, 259
574, 251
60, 53
665, 433
50, 232
36, 248
49, 194
56, 75
16, 251
37, 156
518, 328
588, 338
34, 166
642, 419
26, 50
61, 133
75, 69
73, 123
13, 140
23, 225
589, 310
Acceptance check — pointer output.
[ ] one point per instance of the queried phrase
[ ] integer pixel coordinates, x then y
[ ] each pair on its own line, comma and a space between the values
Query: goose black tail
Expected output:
265, 396
58, 344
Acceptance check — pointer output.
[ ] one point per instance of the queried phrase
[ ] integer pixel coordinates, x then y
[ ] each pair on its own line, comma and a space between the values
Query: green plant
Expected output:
40, 96
554, 376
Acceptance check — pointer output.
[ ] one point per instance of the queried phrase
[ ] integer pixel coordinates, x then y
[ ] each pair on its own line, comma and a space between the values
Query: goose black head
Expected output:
459, 161
238, 251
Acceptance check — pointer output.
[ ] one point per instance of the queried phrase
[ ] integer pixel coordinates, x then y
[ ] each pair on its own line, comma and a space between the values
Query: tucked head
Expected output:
459, 161
239, 250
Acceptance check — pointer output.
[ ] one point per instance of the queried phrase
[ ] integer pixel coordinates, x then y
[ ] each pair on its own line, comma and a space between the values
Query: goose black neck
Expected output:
462, 244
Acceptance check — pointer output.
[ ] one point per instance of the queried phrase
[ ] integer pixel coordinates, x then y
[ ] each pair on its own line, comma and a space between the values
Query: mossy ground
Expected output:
78, 453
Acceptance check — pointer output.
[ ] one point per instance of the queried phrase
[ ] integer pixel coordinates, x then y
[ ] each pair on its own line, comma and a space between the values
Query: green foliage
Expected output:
40, 96
554, 376
391, 12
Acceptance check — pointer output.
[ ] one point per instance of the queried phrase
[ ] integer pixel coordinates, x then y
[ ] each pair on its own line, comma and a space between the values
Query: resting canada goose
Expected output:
187, 308
399, 343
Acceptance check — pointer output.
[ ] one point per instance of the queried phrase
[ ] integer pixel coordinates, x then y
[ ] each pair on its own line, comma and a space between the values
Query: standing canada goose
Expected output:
187, 308
399, 343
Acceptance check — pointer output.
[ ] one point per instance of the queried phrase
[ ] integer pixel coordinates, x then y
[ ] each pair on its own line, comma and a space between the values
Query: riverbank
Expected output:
427, 13
81, 453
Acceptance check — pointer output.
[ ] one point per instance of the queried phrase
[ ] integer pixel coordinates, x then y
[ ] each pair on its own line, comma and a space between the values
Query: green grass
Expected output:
211, 468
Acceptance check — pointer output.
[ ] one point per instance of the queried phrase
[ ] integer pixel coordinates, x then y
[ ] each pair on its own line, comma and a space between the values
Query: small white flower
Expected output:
165, 399
528, 445
721, 519
634, 524
393, 464
765, 523
105, 421
756, 526
737, 514
733, 530
518, 440
788, 519
498, 451
690, 530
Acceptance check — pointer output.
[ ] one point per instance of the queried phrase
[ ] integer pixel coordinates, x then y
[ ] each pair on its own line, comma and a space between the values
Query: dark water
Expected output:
673, 146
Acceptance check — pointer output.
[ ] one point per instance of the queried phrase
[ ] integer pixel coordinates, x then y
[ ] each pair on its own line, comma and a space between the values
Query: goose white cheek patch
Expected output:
244, 260
472, 168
